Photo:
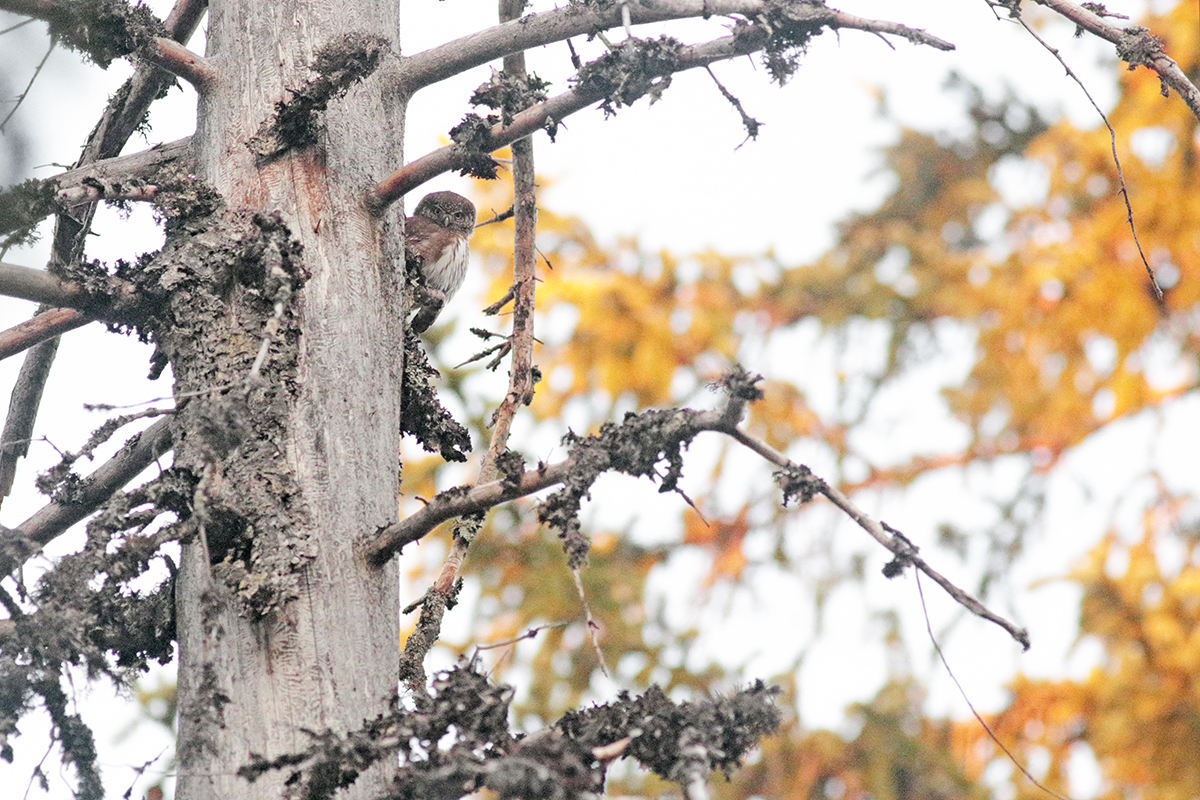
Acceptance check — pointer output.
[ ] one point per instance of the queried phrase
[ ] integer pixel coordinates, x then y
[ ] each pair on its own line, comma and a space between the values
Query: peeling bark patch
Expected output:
635, 447
297, 122
423, 417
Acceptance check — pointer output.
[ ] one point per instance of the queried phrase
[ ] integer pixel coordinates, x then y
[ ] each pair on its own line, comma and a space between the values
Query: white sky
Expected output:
670, 174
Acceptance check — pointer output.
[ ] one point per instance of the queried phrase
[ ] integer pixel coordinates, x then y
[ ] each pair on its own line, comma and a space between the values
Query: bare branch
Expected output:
39, 286
125, 177
143, 165
882, 533
446, 60
46, 325
535, 30
458, 502
19, 543
172, 57
95, 192
1135, 45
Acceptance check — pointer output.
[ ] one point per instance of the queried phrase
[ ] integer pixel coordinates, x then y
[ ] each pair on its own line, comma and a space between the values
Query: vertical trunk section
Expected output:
282, 625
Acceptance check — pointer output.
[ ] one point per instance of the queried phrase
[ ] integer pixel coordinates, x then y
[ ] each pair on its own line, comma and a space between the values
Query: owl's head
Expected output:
448, 209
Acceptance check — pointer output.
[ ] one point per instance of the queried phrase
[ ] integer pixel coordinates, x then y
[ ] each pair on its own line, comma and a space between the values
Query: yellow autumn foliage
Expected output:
1063, 327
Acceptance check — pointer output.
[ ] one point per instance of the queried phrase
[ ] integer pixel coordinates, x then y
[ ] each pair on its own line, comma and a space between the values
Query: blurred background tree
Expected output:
961, 334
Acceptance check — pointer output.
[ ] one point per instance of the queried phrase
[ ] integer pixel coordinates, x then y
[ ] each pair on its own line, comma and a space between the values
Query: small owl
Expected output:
435, 247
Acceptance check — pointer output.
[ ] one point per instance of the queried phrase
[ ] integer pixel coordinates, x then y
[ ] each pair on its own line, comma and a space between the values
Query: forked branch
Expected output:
1135, 45
764, 28
536, 30
796, 481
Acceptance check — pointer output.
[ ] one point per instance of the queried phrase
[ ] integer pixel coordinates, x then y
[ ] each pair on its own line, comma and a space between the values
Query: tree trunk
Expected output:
282, 626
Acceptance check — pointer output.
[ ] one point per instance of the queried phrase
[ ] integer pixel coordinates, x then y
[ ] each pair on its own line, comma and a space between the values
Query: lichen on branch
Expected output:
510, 94
633, 68
102, 30
457, 740
635, 447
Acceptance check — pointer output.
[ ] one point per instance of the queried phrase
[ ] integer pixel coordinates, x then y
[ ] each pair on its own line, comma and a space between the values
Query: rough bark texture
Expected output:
282, 624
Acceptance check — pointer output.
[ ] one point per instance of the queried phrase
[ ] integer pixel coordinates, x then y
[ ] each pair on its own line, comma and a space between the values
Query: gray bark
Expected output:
302, 633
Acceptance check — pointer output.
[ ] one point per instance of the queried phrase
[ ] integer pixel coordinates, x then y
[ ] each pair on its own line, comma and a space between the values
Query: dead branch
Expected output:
124, 114
46, 325
172, 57
143, 165
1135, 45
795, 479
520, 385
535, 30
458, 502
21, 542
527, 122
128, 31
107, 179
532, 30
39, 286
95, 192
880, 532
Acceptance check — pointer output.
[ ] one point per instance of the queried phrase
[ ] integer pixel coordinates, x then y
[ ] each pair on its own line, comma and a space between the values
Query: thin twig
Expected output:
37, 71
528, 634
1112, 140
520, 388
748, 122
897, 544
970, 705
